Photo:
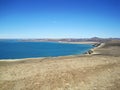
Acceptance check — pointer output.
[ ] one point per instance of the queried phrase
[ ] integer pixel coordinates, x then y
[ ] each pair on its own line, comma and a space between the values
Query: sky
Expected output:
59, 18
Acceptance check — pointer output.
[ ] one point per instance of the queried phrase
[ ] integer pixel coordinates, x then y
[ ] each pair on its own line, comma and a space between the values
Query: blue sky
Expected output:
59, 18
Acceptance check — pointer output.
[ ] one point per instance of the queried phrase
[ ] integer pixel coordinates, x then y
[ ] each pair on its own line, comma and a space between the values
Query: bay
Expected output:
15, 49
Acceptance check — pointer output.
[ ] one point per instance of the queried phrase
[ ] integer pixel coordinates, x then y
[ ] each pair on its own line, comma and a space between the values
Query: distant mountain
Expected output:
93, 39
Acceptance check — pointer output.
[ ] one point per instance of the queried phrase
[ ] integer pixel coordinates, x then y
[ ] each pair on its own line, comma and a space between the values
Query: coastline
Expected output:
77, 72
93, 50
85, 53
79, 42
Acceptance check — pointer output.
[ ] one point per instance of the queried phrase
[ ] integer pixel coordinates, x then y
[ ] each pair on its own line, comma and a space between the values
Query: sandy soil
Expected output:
89, 42
99, 71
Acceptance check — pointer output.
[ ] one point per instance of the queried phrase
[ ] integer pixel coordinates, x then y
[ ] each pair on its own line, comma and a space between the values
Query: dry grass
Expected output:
111, 48
71, 73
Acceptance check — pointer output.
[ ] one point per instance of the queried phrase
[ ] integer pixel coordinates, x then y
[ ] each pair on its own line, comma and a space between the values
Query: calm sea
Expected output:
14, 49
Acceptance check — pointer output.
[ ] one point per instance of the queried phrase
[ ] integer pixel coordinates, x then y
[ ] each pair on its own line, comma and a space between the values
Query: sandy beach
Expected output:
99, 70
89, 42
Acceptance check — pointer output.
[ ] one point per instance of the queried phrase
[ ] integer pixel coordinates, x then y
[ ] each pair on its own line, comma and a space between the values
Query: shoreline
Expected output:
89, 42
22, 59
93, 50
75, 72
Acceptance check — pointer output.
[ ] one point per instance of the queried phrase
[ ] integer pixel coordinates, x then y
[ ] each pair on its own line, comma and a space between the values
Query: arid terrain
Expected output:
97, 71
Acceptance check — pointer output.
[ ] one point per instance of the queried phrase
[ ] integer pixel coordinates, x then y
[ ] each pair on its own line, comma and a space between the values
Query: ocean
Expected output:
15, 49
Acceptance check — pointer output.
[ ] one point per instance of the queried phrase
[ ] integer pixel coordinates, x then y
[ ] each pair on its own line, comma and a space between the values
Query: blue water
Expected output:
14, 49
